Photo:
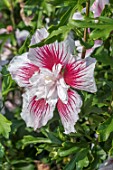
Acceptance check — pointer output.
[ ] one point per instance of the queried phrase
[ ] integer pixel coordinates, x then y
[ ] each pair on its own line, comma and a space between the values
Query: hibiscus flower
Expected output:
79, 47
50, 74
98, 6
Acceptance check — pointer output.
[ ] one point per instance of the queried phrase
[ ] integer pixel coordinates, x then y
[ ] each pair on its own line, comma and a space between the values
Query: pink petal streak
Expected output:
22, 69
80, 74
69, 112
36, 113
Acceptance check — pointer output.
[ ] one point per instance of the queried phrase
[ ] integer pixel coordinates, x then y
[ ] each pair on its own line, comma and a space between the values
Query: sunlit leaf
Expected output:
5, 126
105, 129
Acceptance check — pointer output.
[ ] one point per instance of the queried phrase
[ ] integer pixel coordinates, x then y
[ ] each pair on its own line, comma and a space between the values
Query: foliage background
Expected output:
21, 147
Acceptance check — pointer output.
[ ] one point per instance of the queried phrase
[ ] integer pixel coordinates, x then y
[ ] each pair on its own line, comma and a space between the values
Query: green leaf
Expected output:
100, 33
55, 35
6, 82
79, 160
23, 47
54, 139
109, 83
7, 3
1, 151
88, 24
82, 163
31, 140
105, 19
105, 129
27, 164
66, 16
26, 167
4, 126
5, 36
111, 149
103, 56
72, 150
71, 164
82, 159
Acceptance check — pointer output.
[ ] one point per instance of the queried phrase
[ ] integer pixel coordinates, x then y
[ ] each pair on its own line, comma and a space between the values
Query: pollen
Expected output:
47, 78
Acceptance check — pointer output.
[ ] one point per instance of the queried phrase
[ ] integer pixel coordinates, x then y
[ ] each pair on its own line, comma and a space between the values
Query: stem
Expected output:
12, 13
10, 48
86, 29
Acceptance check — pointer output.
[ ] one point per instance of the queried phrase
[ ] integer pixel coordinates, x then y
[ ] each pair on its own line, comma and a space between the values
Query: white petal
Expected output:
56, 69
49, 55
39, 35
28, 118
22, 69
51, 91
77, 43
98, 43
69, 112
80, 75
36, 113
3, 30
41, 92
62, 90
70, 43
52, 96
34, 79
77, 16
21, 36
98, 7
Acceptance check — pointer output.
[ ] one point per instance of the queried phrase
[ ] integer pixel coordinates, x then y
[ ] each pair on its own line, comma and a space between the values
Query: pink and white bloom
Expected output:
79, 15
98, 7
21, 36
95, 8
48, 73
79, 47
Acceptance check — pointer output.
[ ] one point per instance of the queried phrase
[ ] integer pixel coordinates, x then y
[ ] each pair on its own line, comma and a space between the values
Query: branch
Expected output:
86, 29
